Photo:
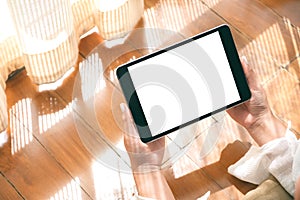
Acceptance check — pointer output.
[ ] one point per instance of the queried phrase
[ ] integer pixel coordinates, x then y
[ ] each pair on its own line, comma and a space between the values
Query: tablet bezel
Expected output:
132, 97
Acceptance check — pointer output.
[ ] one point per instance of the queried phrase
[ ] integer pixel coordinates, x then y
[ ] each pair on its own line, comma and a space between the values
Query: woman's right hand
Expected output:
255, 115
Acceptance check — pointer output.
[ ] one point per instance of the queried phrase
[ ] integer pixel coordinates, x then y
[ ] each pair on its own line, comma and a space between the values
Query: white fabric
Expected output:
280, 157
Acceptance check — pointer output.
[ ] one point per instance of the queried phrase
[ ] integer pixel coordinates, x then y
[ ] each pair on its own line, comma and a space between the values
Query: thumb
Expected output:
129, 127
250, 74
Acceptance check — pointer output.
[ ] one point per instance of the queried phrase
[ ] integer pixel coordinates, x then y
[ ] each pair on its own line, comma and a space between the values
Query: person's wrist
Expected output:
153, 185
267, 128
260, 123
146, 168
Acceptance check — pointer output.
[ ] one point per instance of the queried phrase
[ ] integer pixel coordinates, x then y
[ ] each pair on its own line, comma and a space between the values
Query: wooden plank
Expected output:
294, 68
189, 182
51, 122
7, 191
27, 164
35, 173
293, 115
272, 33
192, 17
88, 43
288, 9
80, 150
218, 170
278, 91
293, 111
209, 146
283, 92
219, 174
214, 152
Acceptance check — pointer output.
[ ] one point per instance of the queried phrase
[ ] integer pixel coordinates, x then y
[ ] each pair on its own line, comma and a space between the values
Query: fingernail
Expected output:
122, 107
244, 58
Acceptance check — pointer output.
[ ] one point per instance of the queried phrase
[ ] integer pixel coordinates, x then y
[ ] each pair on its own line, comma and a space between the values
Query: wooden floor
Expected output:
50, 152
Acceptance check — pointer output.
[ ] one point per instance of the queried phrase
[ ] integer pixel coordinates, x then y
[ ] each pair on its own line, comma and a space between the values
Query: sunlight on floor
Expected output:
48, 120
294, 33
272, 41
176, 17
3, 138
279, 92
20, 125
175, 20
212, 3
260, 61
183, 167
70, 191
91, 75
110, 184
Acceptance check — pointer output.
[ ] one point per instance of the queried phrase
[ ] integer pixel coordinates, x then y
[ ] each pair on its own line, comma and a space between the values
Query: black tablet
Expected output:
183, 83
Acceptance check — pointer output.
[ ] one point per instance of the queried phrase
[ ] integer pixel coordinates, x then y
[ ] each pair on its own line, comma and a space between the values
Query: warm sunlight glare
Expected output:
174, 23
107, 5
56, 84
91, 74
46, 121
111, 184
20, 125
272, 41
5, 21
212, 3
3, 138
112, 43
70, 191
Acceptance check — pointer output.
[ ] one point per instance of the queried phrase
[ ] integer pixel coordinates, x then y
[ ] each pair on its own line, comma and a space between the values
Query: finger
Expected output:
124, 116
250, 74
245, 65
128, 140
128, 122
124, 110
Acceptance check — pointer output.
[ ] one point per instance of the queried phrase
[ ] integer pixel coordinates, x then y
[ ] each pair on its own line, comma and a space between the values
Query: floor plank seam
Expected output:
277, 13
60, 165
12, 185
238, 30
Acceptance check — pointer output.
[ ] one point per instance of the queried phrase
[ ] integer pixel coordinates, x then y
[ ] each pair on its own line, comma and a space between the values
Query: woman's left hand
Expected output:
141, 154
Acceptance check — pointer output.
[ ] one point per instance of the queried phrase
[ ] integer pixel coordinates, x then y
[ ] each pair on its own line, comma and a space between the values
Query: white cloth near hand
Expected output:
280, 158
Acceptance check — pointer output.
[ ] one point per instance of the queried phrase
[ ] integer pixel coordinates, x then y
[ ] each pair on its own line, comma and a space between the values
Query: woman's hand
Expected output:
255, 115
143, 156
146, 160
